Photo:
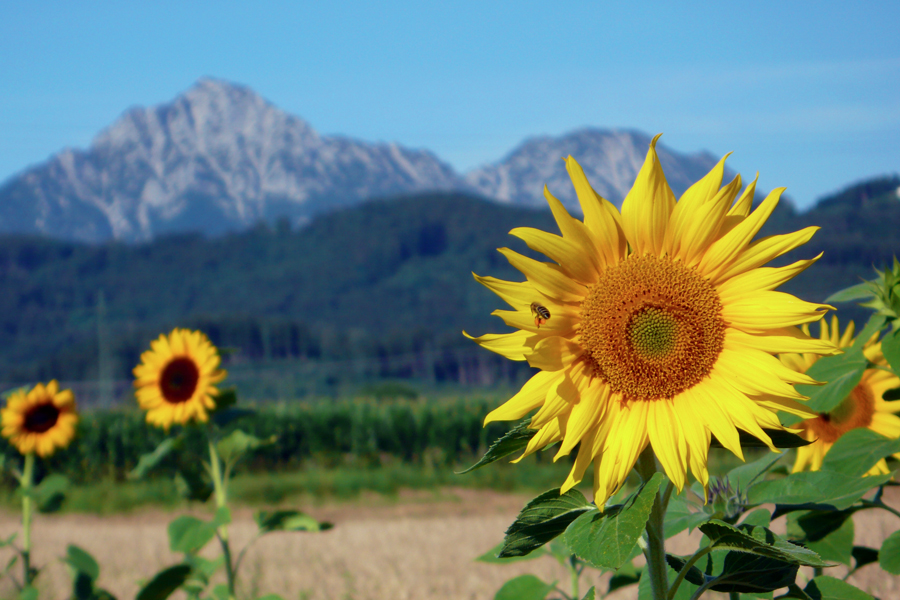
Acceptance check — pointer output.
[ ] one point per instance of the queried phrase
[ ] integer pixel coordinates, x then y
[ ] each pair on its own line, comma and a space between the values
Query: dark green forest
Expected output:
377, 292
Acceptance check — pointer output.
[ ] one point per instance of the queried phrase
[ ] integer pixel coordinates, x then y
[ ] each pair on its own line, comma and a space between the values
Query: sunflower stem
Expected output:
221, 501
27, 481
656, 541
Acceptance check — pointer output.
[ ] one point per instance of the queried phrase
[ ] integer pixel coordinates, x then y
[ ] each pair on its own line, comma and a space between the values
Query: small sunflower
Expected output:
864, 407
41, 420
659, 326
176, 378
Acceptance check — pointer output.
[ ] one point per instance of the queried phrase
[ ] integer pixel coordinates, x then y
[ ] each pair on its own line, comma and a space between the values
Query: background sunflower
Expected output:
865, 406
176, 378
41, 420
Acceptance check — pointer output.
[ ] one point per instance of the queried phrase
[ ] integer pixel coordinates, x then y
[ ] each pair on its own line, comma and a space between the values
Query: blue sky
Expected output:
810, 99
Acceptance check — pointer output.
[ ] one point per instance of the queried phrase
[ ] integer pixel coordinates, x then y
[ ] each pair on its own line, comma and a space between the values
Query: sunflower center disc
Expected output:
856, 410
179, 380
652, 327
41, 418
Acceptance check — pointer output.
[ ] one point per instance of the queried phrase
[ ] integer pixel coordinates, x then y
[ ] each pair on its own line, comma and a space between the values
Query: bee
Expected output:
541, 314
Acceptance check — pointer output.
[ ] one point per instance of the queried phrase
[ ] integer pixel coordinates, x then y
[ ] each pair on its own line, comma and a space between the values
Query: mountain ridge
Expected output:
219, 158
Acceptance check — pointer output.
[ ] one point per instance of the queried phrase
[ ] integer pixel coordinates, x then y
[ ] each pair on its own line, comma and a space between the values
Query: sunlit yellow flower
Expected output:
41, 420
864, 407
176, 378
662, 326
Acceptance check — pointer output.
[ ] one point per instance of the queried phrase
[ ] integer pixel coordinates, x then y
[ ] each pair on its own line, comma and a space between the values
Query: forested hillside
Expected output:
373, 283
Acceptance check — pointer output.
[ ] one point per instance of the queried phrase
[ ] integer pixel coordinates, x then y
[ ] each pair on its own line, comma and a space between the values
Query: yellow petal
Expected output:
761, 279
517, 294
646, 208
557, 324
547, 279
553, 353
762, 251
600, 217
571, 257
779, 341
511, 345
667, 438
532, 395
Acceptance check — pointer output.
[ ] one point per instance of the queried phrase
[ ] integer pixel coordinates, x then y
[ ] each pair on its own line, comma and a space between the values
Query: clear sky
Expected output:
809, 98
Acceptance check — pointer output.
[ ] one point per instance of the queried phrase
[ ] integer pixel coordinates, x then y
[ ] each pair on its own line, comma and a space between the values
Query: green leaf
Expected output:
512, 441
225, 399
744, 475
230, 415
693, 575
825, 489
753, 574
237, 443
757, 518
9, 540
779, 437
270, 597
82, 562
591, 594
864, 556
165, 583
889, 555
150, 460
685, 590
824, 587
680, 517
874, 325
815, 525
759, 541
854, 292
605, 540
524, 587
627, 575
542, 519
890, 346
51, 493
288, 520
857, 451
193, 483
189, 534
491, 556
841, 372
28, 593
836, 546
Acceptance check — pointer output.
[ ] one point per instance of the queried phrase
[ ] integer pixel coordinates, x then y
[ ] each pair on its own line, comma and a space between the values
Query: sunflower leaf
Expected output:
189, 534
165, 583
824, 587
825, 490
542, 519
680, 517
863, 556
759, 541
512, 441
857, 451
51, 493
753, 574
841, 372
780, 439
889, 555
81, 561
288, 520
491, 556
890, 346
627, 575
524, 587
150, 460
237, 443
605, 540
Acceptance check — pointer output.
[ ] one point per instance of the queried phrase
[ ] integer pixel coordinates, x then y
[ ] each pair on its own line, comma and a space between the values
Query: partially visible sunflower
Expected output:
864, 407
176, 378
41, 420
658, 327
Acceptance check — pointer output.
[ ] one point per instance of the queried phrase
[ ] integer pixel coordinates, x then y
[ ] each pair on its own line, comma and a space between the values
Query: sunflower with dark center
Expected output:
865, 406
41, 420
176, 378
664, 327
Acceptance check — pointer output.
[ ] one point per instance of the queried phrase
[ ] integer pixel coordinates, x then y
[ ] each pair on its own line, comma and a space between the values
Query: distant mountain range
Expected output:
220, 158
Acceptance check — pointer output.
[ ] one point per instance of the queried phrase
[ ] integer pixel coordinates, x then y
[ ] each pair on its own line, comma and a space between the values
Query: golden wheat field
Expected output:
414, 547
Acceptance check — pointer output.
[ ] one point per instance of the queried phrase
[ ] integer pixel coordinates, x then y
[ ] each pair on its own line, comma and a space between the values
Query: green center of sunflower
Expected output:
652, 327
41, 418
179, 380
653, 333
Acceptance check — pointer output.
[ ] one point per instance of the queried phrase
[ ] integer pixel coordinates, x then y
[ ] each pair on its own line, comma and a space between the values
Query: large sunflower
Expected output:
41, 420
864, 407
176, 378
662, 326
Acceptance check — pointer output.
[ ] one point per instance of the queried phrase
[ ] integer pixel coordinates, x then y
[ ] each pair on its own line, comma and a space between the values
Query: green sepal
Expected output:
542, 519
759, 541
288, 520
857, 451
889, 555
512, 441
524, 587
165, 583
854, 292
606, 540
827, 490
149, 461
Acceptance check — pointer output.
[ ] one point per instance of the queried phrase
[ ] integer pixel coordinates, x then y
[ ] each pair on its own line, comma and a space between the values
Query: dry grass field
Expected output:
417, 547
